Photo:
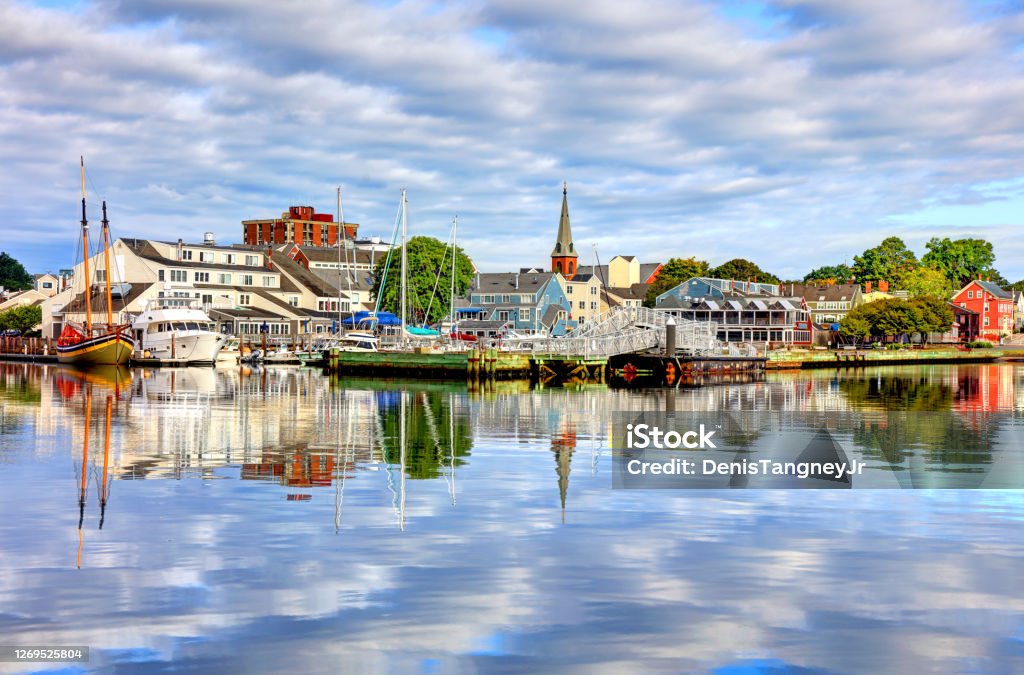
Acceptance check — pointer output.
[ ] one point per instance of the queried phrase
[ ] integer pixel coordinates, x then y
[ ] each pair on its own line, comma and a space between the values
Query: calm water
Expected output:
271, 520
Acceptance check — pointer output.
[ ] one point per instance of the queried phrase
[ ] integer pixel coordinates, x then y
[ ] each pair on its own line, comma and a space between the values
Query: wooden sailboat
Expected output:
103, 344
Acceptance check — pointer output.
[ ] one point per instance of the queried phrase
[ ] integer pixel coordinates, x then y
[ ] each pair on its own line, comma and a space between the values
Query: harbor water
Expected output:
280, 519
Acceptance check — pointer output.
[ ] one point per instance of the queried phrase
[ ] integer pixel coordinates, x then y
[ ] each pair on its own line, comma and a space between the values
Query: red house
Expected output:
992, 304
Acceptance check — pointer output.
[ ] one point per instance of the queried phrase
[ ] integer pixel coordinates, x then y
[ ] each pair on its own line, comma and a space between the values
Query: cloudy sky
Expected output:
792, 132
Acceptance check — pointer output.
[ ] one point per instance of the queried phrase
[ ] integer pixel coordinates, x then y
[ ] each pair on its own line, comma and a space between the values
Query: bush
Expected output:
979, 344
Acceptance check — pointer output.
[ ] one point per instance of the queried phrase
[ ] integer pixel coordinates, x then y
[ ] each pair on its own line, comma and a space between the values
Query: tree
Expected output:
13, 275
1016, 286
888, 261
936, 316
927, 281
855, 326
830, 274
961, 259
743, 270
673, 273
430, 273
22, 319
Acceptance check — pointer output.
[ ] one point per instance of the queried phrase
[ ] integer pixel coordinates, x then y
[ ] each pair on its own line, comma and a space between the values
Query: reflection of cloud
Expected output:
228, 575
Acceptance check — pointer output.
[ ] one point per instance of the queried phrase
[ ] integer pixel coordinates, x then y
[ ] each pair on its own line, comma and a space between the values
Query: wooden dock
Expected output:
661, 370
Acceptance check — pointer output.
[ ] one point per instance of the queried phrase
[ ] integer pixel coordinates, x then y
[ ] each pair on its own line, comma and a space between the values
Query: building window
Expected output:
593, 290
202, 277
179, 275
268, 282
101, 276
205, 256
229, 258
160, 275
970, 295
252, 260
47, 284
568, 290
986, 320
583, 305
247, 280
207, 299
224, 279
243, 299
186, 255
293, 300
593, 305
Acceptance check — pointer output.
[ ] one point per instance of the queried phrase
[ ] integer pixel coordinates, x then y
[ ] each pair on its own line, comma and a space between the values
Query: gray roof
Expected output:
823, 292
330, 254
994, 289
314, 282
505, 282
551, 314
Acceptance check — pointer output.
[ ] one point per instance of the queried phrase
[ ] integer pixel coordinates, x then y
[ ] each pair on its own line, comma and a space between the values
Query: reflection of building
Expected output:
563, 445
985, 388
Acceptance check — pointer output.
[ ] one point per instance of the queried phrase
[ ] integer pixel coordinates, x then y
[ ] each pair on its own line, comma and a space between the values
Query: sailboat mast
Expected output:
85, 258
455, 260
106, 265
405, 265
341, 225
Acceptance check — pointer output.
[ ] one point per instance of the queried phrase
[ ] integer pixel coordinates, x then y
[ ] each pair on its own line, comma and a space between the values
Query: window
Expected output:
986, 320
186, 254
504, 315
243, 299
207, 299
568, 289
160, 275
205, 256
964, 305
593, 290
268, 282
224, 279
179, 275
47, 284
247, 280
101, 275
252, 260
293, 300
593, 305
970, 295
202, 277
583, 305
229, 258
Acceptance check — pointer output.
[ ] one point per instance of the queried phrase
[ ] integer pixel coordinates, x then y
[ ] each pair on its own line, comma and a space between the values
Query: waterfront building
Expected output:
528, 301
993, 305
625, 280
298, 225
828, 304
583, 293
744, 311
241, 288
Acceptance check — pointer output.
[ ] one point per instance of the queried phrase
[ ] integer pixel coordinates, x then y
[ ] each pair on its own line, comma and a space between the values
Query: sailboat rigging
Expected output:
86, 344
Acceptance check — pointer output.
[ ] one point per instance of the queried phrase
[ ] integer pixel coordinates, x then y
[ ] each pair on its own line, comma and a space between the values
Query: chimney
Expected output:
883, 286
180, 245
867, 286
270, 252
517, 280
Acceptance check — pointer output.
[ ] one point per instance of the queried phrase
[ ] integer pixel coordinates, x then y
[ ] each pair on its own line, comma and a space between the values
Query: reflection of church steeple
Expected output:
563, 445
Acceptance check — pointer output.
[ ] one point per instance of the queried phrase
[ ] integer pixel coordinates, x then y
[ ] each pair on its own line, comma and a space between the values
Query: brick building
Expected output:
298, 225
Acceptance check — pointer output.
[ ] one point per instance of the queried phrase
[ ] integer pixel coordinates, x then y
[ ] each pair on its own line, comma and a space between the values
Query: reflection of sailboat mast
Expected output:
106, 461
451, 439
401, 443
85, 467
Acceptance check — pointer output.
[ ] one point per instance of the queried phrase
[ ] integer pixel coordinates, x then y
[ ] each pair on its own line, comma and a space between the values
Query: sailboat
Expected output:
89, 344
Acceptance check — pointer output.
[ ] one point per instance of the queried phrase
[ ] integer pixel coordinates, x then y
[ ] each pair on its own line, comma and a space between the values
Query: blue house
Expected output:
527, 301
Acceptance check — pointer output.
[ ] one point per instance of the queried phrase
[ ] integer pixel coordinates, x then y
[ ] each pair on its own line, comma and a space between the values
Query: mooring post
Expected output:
670, 337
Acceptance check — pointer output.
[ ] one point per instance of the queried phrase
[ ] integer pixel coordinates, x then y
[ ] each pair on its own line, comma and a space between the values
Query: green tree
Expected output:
856, 326
430, 268
743, 270
961, 259
927, 281
830, 274
673, 273
936, 315
23, 318
13, 275
1016, 286
889, 261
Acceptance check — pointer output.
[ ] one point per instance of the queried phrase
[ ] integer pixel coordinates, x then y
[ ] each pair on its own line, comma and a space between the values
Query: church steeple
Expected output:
563, 256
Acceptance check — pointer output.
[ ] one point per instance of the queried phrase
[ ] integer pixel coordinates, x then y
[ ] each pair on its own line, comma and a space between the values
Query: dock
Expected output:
864, 358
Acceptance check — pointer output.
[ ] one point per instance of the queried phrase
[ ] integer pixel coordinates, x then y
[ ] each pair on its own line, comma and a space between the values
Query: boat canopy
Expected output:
380, 318
417, 330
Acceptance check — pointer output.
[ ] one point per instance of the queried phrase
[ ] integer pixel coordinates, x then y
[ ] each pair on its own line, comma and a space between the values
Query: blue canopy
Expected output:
382, 319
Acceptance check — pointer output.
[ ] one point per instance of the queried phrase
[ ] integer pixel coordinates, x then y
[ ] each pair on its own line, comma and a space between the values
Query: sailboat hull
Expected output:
112, 349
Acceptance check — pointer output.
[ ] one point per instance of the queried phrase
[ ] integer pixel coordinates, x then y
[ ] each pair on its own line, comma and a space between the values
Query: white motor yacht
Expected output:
172, 328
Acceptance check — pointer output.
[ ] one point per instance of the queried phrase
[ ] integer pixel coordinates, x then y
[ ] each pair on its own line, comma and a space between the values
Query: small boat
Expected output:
357, 342
280, 357
230, 354
89, 344
167, 329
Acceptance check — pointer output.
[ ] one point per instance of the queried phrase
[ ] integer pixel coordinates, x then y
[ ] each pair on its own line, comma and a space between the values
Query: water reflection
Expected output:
275, 519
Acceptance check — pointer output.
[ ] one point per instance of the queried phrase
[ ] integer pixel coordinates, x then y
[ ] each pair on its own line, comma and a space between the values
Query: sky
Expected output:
795, 133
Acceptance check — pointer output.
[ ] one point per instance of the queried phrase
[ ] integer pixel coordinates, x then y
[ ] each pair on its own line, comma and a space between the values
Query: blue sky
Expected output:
795, 133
